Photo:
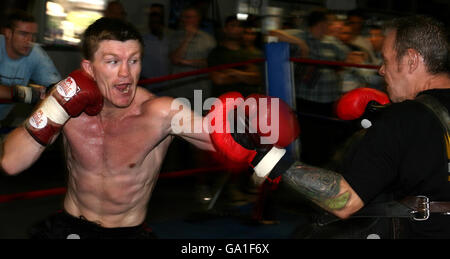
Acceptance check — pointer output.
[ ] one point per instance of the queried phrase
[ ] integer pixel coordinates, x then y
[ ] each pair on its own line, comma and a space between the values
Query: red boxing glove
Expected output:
354, 104
71, 96
221, 128
254, 131
283, 129
77, 93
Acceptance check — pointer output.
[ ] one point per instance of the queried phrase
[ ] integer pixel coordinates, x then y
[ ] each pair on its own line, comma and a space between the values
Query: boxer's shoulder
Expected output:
156, 106
143, 95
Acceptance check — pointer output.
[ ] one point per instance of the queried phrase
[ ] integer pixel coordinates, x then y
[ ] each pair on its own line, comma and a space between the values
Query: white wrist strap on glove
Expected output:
266, 165
50, 109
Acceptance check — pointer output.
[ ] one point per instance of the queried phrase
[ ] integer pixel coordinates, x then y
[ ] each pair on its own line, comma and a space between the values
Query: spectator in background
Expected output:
335, 26
208, 25
376, 37
346, 36
252, 40
355, 19
245, 79
189, 49
317, 87
115, 9
156, 61
298, 46
361, 77
237, 45
353, 77
22, 61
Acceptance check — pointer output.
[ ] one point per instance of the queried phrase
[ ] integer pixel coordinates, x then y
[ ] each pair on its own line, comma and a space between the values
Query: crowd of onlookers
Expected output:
196, 43
192, 46
322, 35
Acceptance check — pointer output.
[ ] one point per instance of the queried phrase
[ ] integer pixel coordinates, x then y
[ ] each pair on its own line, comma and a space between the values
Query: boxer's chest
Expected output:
126, 144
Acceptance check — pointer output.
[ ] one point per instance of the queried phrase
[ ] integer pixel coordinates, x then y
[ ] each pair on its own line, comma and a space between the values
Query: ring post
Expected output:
279, 80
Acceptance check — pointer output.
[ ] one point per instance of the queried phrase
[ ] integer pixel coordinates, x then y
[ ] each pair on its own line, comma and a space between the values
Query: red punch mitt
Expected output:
352, 105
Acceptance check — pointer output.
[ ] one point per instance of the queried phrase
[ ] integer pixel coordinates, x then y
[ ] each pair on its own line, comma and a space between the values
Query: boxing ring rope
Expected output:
189, 172
160, 79
32, 194
62, 190
154, 80
332, 63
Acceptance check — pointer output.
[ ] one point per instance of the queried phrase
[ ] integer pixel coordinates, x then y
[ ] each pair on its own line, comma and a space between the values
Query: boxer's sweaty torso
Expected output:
114, 162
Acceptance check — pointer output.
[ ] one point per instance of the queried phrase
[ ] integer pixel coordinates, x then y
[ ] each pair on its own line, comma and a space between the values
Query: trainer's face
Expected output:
116, 67
19, 40
394, 71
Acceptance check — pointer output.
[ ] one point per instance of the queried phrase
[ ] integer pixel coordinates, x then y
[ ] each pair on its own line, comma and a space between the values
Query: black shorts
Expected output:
62, 225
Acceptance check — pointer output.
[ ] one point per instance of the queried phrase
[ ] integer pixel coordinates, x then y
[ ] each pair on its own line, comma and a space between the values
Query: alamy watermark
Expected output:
253, 115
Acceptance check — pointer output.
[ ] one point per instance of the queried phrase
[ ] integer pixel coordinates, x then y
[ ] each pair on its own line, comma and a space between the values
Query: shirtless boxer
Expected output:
114, 154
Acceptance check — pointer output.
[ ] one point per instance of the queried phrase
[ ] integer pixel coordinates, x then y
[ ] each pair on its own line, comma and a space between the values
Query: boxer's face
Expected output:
116, 67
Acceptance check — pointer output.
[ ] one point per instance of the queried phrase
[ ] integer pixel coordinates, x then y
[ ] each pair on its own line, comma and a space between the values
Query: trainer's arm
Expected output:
325, 188
20, 151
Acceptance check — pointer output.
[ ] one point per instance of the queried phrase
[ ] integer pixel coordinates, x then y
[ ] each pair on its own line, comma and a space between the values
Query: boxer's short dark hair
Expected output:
108, 29
427, 36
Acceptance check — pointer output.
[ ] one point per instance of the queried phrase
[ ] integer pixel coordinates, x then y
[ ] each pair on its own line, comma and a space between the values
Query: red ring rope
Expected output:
32, 194
198, 72
251, 61
332, 63
62, 190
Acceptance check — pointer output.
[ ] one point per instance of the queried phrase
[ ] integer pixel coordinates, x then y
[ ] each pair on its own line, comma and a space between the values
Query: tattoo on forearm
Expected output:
319, 185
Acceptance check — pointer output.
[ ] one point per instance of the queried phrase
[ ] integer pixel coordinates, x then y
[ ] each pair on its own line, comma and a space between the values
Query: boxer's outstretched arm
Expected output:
20, 151
192, 130
326, 188
177, 118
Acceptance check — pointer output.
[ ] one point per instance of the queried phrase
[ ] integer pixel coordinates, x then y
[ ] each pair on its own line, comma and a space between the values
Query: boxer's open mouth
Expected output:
123, 88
